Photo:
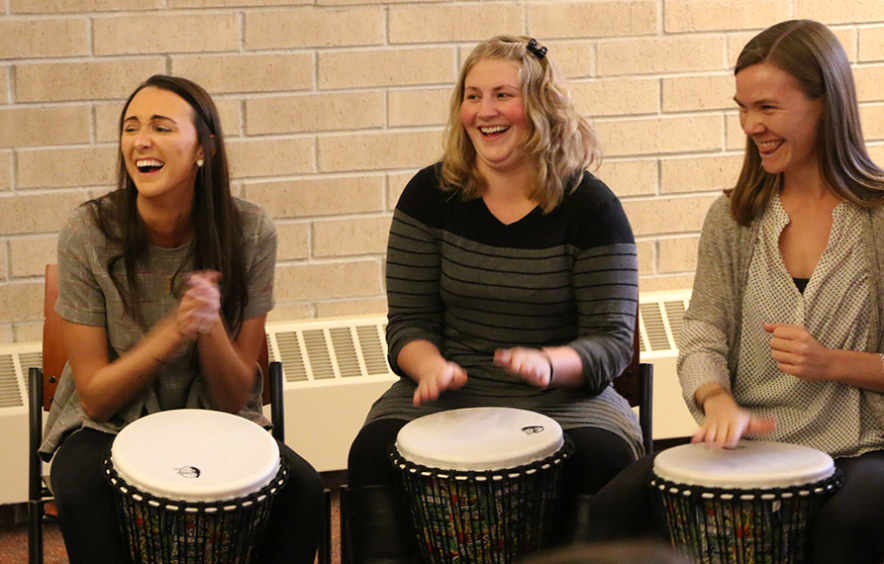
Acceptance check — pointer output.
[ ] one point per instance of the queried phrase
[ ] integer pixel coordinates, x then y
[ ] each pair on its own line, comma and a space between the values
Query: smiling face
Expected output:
777, 116
159, 144
493, 115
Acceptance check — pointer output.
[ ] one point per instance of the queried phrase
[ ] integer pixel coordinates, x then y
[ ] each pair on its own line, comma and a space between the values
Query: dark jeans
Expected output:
600, 455
88, 521
849, 528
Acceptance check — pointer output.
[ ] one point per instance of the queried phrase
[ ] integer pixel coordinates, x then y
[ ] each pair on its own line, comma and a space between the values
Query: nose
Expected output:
143, 138
488, 108
753, 123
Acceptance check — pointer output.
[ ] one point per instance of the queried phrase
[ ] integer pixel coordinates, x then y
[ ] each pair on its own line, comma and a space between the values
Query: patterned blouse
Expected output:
836, 308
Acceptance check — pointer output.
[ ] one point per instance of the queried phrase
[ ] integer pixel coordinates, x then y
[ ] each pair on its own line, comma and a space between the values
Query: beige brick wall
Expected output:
330, 106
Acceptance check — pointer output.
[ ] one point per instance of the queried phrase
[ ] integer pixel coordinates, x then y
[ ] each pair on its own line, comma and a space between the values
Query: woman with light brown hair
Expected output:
784, 336
511, 282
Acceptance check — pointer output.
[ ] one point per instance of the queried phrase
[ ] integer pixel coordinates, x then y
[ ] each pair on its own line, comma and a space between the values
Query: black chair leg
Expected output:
325, 541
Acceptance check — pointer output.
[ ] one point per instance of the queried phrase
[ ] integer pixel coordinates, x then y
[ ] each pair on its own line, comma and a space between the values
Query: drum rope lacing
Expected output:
822, 487
139, 495
717, 525
491, 516
157, 530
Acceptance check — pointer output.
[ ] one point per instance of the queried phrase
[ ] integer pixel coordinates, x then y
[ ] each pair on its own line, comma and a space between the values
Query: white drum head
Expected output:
479, 438
195, 455
753, 464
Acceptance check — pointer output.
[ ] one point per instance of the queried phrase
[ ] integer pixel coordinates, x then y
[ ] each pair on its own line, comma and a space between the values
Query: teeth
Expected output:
140, 163
768, 144
494, 129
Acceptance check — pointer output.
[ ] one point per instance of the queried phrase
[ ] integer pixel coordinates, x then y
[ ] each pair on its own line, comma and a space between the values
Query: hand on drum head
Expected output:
533, 365
444, 375
198, 310
726, 423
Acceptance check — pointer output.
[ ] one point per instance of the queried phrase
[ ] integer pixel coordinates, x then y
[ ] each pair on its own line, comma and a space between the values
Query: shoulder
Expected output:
254, 219
595, 213
80, 226
591, 193
423, 195
720, 222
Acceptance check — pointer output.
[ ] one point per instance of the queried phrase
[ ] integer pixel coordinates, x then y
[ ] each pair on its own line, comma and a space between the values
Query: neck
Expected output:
807, 182
167, 225
507, 185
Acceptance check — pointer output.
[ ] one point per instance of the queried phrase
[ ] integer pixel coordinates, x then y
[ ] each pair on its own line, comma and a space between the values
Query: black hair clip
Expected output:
539, 52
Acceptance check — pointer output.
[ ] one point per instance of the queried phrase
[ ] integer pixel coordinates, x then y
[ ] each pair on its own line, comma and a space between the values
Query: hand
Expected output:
533, 365
726, 423
441, 376
198, 310
798, 353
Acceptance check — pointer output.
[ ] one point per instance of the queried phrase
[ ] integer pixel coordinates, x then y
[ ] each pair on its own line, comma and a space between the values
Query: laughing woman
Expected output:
784, 336
511, 282
164, 286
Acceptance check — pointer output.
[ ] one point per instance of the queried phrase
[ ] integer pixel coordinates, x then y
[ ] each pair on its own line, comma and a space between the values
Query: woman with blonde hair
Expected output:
511, 282
784, 336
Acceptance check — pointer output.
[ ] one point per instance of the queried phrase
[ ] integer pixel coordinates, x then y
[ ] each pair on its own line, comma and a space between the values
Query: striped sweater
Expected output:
459, 278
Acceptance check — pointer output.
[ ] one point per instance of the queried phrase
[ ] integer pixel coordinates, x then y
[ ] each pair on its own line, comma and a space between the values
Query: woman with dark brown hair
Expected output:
164, 287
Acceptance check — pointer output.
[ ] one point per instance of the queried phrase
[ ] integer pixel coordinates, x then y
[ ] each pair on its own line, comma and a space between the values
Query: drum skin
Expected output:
749, 505
194, 486
482, 484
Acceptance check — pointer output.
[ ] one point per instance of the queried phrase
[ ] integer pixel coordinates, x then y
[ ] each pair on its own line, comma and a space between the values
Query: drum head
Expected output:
195, 455
753, 464
479, 438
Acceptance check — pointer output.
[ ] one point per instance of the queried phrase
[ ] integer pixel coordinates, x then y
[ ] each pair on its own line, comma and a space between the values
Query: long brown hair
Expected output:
811, 53
218, 238
560, 143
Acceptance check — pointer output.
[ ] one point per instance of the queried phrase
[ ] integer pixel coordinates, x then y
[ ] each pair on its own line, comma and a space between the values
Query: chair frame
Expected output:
42, 383
636, 384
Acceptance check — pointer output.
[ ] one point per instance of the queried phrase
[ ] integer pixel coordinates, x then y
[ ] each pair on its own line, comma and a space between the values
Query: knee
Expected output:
304, 481
368, 463
78, 478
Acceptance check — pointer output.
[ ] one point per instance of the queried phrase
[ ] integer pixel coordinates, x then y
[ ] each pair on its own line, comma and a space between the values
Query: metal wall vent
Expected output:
10, 393
346, 348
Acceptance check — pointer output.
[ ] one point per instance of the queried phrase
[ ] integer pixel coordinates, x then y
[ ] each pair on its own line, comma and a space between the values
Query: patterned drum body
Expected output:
194, 486
749, 505
482, 483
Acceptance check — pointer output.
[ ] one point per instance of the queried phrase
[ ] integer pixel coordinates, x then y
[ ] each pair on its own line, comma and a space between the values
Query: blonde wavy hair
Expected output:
811, 53
560, 144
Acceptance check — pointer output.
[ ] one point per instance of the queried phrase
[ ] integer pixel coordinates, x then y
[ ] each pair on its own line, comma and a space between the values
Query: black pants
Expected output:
88, 521
600, 455
848, 529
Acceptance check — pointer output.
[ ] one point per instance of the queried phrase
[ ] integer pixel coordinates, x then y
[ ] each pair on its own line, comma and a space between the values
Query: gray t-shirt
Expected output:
87, 296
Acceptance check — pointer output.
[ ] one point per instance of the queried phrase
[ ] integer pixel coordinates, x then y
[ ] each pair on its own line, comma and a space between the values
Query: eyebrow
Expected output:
761, 102
501, 87
152, 118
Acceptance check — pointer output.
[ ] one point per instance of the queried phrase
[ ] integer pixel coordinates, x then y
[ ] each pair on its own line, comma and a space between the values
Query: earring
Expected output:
199, 163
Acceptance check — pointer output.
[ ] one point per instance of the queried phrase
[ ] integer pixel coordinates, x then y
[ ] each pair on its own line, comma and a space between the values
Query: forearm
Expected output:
859, 369
105, 388
567, 367
229, 372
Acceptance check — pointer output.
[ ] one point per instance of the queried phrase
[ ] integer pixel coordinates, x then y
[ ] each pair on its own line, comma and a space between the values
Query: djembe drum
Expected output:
748, 505
482, 484
194, 486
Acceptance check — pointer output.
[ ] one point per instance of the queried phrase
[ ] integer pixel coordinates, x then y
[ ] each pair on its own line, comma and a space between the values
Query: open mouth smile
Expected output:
768, 147
148, 165
493, 129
